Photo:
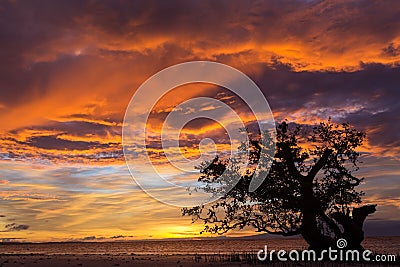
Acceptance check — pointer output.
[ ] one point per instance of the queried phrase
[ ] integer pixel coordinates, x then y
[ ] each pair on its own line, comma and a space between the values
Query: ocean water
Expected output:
388, 245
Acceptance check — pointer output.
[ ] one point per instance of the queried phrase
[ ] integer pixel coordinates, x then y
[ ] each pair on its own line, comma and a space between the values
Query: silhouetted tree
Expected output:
308, 191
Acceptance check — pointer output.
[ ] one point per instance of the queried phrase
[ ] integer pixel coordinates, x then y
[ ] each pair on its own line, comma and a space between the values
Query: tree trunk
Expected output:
353, 225
312, 234
309, 230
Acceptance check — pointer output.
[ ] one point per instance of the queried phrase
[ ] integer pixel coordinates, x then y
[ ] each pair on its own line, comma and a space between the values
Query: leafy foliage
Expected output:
311, 173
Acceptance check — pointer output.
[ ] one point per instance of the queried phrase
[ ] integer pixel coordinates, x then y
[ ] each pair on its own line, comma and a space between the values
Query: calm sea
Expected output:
376, 244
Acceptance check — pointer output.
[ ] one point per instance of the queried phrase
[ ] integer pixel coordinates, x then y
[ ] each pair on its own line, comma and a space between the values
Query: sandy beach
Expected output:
108, 260
227, 252
150, 260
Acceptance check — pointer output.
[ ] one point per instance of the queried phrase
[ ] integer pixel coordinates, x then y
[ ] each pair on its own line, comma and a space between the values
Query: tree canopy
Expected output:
309, 190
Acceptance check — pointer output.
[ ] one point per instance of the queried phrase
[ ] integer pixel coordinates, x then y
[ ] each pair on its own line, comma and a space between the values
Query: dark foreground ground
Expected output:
155, 260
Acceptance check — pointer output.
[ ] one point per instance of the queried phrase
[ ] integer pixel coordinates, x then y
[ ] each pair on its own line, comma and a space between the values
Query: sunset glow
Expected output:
69, 70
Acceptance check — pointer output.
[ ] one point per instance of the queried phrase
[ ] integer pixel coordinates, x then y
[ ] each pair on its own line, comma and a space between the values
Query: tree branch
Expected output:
288, 156
288, 233
319, 164
291, 233
331, 223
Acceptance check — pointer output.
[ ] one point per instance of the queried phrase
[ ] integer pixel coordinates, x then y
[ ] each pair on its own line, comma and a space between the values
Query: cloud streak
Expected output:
13, 227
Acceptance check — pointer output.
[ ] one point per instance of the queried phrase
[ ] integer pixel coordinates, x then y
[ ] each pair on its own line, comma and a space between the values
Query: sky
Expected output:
68, 70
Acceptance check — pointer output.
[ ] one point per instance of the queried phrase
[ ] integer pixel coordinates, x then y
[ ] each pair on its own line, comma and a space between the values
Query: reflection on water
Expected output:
376, 244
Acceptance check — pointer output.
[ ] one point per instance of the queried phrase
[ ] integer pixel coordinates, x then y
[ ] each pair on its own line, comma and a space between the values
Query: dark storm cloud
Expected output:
40, 41
74, 128
52, 142
25, 28
82, 128
391, 50
375, 85
367, 98
384, 126
12, 227
32, 32
97, 140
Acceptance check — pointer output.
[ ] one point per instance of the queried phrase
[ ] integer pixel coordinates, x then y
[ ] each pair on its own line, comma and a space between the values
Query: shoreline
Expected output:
151, 260
185, 253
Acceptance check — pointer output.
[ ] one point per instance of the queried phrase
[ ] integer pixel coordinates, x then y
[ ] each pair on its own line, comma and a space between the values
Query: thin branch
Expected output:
288, 156
320, 163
